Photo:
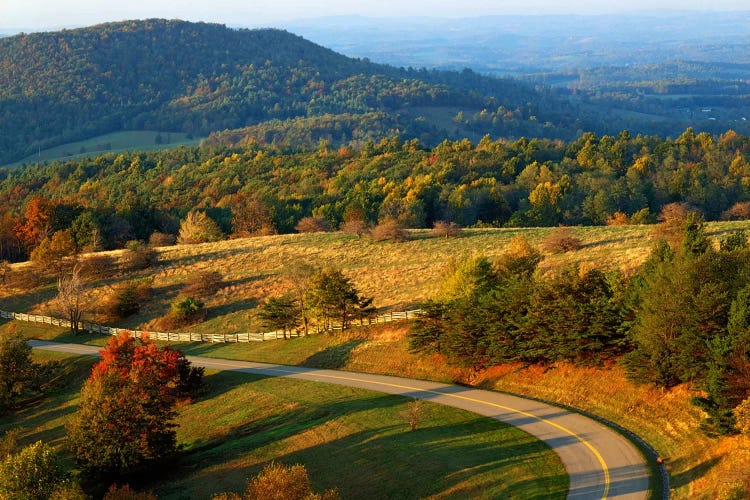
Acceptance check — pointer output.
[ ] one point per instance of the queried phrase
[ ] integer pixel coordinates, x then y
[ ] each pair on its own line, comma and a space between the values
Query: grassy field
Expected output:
355, 440
133, 140
399, 275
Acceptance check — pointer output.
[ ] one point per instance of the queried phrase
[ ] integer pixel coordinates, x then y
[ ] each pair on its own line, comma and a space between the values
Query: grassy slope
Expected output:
348, 438
134, 140
400, 274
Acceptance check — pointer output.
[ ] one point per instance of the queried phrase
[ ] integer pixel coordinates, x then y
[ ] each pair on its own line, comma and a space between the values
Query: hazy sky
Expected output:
45, 14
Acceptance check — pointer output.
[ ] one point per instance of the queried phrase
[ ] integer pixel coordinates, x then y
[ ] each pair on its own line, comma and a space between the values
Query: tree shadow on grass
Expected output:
428, 461
333, 357
695, 472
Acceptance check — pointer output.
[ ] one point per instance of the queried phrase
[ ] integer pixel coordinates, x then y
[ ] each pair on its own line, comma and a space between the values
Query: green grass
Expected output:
140, 140
355, 440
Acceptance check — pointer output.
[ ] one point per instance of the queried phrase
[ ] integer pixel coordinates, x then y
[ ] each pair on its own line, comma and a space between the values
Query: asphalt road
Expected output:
600, 462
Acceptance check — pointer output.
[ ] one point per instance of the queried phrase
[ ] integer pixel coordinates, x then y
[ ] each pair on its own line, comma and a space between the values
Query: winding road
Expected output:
600, 462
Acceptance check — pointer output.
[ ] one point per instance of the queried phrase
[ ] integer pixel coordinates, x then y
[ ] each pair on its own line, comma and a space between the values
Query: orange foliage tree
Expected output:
126, 416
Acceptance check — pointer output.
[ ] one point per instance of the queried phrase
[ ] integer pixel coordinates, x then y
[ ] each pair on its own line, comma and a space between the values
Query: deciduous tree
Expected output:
126, 416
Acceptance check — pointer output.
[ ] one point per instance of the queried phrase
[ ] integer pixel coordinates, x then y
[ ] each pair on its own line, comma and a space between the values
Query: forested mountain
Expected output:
198, 78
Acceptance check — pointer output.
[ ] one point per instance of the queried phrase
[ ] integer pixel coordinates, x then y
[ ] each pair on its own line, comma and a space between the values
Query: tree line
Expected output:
255, 189
683, 316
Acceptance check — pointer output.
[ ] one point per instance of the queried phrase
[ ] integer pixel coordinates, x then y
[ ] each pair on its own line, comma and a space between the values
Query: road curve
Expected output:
600, 462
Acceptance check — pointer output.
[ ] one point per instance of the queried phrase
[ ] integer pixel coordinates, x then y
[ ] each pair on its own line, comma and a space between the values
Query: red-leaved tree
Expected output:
126, 416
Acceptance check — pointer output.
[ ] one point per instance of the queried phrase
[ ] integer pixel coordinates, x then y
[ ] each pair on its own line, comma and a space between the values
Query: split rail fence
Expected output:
200, 337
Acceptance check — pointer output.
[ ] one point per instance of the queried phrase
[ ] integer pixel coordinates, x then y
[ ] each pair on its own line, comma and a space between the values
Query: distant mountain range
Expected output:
513, 45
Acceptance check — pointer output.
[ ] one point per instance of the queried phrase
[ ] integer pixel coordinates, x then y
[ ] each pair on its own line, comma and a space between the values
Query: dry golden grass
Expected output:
397, 275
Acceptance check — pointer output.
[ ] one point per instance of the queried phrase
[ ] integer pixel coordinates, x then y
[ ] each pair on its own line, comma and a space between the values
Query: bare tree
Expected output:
4, 271
70, 298
414, 414
299, 273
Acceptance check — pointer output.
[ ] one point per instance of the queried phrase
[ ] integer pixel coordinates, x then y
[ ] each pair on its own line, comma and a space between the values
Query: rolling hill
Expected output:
196, 78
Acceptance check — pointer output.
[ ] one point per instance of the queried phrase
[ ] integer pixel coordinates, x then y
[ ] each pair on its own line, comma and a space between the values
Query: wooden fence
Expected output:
200, 337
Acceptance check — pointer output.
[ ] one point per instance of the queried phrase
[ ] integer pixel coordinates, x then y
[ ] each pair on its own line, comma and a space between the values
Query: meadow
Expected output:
131, 140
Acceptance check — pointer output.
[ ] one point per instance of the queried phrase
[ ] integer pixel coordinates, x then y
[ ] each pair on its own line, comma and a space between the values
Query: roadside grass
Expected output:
356, 440
133, 140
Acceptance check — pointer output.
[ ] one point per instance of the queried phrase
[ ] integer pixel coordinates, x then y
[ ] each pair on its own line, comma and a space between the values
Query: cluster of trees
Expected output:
124, 426
324, 298
683, 317
206, 193
21, 378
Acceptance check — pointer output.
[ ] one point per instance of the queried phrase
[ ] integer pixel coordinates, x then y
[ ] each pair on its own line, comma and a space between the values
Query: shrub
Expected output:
742, 417
24, 279
32, 473
446, 229
138, 256
126, 299
4, 271
198, 227
202, 284
187, 310
738, 211
282, 482
312, 225
389, 230
617, 219
159, 239
96, 267
355, 226
561, 240
124, 492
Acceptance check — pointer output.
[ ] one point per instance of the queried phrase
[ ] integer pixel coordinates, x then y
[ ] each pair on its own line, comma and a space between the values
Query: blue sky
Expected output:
47, 14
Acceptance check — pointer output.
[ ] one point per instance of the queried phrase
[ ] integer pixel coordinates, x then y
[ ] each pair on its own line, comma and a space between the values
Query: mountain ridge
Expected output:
57, 87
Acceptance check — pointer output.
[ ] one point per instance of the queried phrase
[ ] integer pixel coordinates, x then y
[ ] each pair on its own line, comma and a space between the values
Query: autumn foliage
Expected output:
127, 410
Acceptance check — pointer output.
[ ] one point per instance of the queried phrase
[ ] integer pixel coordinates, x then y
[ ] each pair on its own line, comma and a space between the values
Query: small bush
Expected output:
312, 225
285, 482
199, 227
187, 310
138, 256
24, 279
389, 230
124, 492
96, 267
618, 219
355, 226
32, 473
738, 211
444, 229
158, 239
202, 284
560, 241
184, 311
126, 299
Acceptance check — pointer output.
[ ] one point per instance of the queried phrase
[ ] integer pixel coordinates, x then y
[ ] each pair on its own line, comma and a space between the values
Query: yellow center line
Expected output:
581, 439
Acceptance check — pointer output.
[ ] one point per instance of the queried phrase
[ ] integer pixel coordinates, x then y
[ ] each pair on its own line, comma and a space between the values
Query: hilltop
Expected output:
196, 78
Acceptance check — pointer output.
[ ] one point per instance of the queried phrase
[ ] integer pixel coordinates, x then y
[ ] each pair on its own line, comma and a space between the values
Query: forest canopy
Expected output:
260, 189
